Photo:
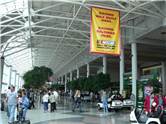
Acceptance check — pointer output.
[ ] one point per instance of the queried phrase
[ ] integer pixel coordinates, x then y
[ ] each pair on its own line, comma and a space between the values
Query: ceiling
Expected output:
54, 32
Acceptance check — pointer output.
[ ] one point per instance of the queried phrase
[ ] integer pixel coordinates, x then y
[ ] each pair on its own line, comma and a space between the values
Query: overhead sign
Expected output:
105, 31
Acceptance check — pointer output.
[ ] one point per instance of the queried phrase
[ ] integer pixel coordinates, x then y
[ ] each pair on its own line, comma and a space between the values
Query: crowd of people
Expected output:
25, 99
153, 101
49, 100
16, 100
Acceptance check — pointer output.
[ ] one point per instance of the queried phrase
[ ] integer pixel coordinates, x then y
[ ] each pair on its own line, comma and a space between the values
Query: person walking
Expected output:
11, 104
56, 99
149, 99
105, 102
45, 102
52, 102
7, 93
77, 100
25, 105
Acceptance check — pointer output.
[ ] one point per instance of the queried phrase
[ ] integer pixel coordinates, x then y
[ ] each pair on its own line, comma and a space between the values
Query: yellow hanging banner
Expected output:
105, 31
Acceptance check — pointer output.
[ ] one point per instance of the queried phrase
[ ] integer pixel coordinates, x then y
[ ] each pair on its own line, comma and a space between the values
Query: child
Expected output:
25, 105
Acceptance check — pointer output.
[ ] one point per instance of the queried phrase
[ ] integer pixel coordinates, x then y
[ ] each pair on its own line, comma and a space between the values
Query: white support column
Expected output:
71, 76
65, 82
78, 73
19, 86
57, 80
10, 75
15, 77
17, 80
134, 67
88, 70
121, 70
104, 64
61, 80
163, 69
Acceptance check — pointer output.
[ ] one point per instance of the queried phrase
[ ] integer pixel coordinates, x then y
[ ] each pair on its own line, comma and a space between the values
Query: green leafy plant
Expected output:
92, 83
37, 77
57, 87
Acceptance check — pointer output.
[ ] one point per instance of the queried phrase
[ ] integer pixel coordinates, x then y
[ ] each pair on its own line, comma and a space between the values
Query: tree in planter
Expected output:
57, 87
73, 84
37, 77
102, 81
92, 83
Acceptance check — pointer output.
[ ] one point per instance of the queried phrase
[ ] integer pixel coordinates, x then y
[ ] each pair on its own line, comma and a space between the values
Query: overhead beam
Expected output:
12, 31
84, 21
15, 52
74, 17
152, 42
148, 10
11, 19
133, 9
11, 48
109, 7
61, 29
67, 38
11, 26
18, 21
60, 17
119, 4
48, 7
83, 34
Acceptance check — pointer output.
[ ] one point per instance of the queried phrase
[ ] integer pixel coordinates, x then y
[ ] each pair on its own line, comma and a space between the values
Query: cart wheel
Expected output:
98, 107
153, 123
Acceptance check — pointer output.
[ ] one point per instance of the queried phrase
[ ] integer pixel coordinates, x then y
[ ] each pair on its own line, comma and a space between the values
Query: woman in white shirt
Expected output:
45, 102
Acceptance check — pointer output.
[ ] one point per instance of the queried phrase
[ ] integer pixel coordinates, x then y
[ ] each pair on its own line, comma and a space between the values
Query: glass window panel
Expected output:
6, 74
8, 6
13, 77
4, 88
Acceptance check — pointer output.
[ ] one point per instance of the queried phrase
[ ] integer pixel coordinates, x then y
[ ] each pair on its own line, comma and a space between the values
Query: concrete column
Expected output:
61, 79
1, 71
134, 67
18, 80
65, 83
163, 70
104, 64
121, 70
88, 70
19, 86
10, 75
78, 73
58, 80
1, 75
15, 78
71, 76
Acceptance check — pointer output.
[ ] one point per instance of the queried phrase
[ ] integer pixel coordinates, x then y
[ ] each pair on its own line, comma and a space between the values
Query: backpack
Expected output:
25, 102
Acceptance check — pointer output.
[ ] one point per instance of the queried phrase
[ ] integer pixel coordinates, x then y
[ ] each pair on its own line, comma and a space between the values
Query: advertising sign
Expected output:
105, 31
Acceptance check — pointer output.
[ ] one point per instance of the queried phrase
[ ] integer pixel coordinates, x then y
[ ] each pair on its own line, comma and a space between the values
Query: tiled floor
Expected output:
64, 115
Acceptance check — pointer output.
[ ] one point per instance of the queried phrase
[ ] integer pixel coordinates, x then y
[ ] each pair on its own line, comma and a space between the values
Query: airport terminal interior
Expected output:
128, 61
